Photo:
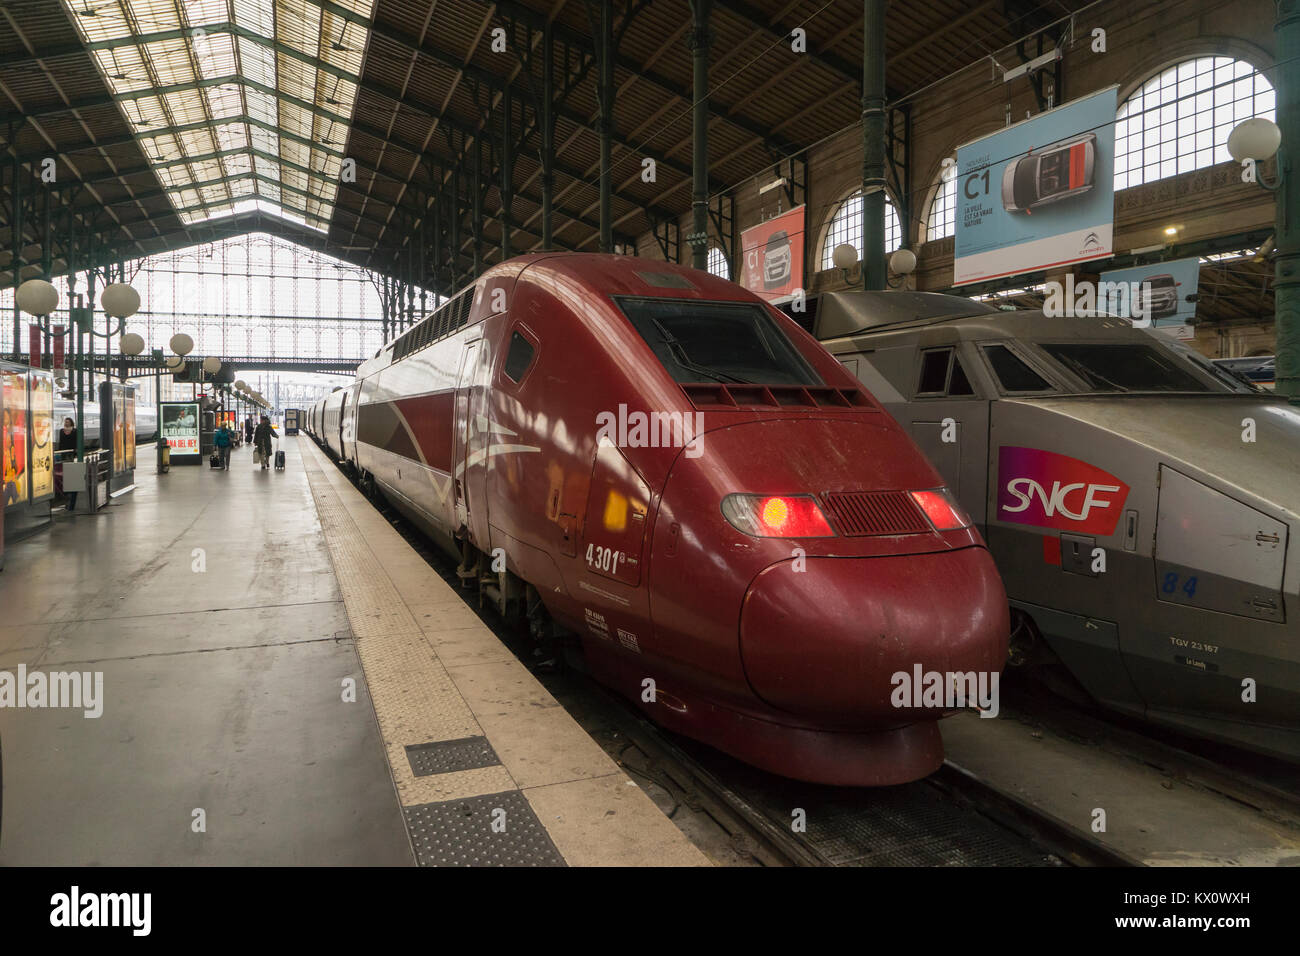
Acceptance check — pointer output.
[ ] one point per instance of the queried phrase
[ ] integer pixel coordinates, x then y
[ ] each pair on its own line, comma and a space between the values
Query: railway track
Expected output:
951, 818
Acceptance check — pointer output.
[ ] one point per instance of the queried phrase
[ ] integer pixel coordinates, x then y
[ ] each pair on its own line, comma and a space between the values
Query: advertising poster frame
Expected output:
130, 427
1173, 283
772, 256
40, 459
1038, 194
184, 440
15, 478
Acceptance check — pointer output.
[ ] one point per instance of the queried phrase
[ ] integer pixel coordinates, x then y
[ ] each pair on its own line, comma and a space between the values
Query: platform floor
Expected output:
270, 648
1150, 817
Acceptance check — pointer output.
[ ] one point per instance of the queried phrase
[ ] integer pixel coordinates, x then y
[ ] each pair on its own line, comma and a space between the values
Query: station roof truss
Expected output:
181, 119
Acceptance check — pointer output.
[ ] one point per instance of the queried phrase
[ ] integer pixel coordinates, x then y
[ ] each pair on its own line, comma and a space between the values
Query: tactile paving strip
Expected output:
497, 829
414, 697
449, 756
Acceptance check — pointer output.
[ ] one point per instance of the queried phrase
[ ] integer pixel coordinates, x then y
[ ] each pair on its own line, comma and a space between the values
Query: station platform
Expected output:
1151, 816
285, 681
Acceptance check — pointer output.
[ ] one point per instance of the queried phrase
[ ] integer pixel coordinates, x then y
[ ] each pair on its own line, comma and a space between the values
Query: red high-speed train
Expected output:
653, 458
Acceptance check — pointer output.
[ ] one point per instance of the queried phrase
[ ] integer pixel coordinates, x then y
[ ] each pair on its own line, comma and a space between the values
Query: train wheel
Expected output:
1026, 643
1033, 658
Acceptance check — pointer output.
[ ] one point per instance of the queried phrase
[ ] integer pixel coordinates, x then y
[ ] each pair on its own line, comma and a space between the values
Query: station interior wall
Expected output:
1142, 39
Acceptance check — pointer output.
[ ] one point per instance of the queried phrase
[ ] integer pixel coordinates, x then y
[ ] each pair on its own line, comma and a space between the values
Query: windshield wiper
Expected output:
1092, 376
679, 355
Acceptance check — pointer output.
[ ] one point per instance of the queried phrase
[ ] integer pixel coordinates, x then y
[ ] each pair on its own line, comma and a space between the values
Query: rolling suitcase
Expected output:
279, 460
214, 461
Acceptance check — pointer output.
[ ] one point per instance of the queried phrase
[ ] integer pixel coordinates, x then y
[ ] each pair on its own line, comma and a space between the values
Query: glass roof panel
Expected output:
191, 89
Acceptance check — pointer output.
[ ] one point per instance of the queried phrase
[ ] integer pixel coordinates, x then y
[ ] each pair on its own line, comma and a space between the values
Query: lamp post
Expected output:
1251, 143
902, 263
119, 301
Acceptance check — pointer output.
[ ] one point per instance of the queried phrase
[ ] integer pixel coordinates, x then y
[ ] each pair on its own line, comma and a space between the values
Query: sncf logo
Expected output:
1048, 490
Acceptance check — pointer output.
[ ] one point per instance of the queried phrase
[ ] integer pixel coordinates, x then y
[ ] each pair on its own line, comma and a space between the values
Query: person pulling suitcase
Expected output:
262, 441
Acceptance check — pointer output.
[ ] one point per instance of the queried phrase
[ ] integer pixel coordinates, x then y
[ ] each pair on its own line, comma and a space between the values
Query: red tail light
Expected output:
942, 511
776, 516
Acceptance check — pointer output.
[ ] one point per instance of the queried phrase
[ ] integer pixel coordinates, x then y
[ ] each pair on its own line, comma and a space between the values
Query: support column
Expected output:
454, 260
606, 93
437, 235
699, 43
548, 136
16, 242
507, 170
1286, 281
873, 144
476, 216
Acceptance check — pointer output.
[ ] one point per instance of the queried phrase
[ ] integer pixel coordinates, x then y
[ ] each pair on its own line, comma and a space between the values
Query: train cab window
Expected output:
519, 357
934, 372
1012, 373
729, 342
942, 374
958, 383
1122, 367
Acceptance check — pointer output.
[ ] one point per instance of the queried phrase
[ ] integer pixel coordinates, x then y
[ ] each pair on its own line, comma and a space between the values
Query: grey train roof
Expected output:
844, 314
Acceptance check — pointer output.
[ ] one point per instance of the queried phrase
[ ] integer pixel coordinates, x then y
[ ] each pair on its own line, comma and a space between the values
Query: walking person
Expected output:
65, 449
223, 441
248, 429
262, 440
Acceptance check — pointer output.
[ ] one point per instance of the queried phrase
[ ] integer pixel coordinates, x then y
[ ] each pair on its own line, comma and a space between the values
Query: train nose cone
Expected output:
826, 641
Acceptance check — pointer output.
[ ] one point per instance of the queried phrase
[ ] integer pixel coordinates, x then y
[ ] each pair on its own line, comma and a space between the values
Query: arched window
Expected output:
1179, 120
718, 263
847, 227
941, 220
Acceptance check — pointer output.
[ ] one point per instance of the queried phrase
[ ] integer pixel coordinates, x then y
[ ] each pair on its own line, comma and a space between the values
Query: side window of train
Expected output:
519, 356
1012, 372
942, 375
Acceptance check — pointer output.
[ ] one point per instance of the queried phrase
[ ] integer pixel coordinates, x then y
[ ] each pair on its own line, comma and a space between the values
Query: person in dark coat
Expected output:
262, 440
248, 430
223, 441
67, 442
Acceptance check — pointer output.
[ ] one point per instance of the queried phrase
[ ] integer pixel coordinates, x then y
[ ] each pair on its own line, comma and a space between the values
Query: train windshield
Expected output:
718, 342
1121, 367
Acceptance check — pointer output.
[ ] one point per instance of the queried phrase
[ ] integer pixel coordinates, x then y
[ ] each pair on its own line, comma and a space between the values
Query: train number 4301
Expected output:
604, 559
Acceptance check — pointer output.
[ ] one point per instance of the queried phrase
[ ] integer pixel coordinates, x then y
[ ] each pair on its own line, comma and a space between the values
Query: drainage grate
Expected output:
460, 833
448, 756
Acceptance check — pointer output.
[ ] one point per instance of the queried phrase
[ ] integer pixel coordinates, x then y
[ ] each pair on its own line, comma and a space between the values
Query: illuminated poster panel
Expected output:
180, 428
42, 445
130, 428
772, 256
113, 426
13, 436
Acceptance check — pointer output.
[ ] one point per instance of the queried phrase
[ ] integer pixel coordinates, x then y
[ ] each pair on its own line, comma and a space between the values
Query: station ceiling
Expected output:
177, 115
181, 121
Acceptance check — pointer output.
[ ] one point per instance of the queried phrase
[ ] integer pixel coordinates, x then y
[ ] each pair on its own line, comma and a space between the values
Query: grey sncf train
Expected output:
1137, 498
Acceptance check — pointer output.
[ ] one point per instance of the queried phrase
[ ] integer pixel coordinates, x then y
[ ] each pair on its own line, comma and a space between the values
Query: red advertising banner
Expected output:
772, 256
34, 345
57, 346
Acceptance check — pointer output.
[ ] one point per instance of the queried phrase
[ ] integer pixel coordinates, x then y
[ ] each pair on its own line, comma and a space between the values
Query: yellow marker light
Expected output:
775, 513
615, 511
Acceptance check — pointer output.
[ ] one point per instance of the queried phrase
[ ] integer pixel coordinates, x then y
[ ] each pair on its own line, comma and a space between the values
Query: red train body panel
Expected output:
532, 414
